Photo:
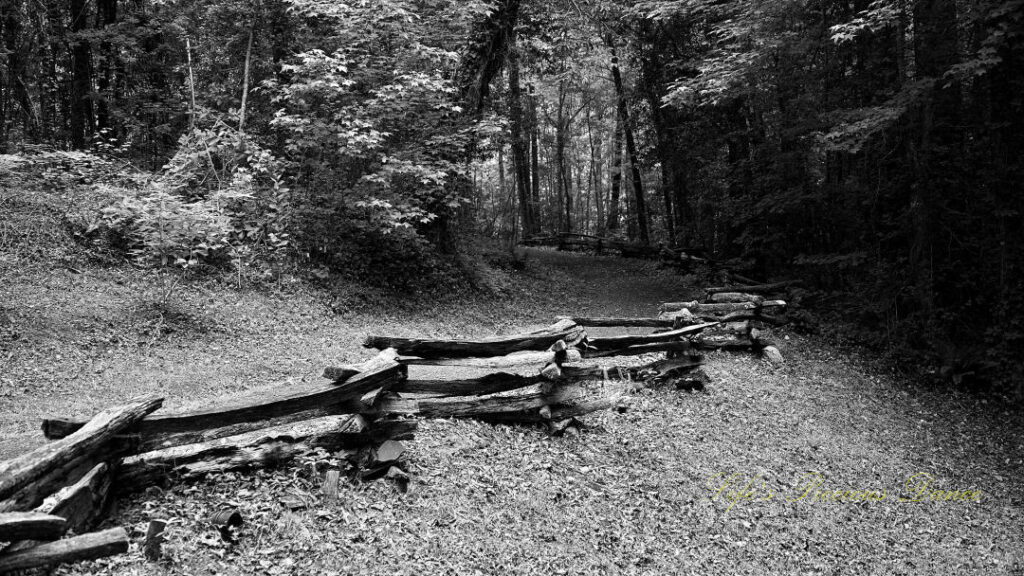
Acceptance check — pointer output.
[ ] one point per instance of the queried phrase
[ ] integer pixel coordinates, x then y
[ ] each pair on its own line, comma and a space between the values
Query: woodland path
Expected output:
629, 494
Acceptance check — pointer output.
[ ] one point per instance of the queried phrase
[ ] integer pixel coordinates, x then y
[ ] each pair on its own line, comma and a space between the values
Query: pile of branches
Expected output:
67, 484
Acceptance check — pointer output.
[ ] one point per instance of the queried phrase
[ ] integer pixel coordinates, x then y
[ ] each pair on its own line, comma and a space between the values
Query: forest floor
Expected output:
634, 492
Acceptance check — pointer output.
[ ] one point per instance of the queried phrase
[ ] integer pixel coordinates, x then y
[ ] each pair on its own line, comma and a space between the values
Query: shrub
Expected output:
218, 197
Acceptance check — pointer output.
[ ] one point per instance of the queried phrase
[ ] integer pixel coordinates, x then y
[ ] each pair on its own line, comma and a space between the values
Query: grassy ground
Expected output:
632, 493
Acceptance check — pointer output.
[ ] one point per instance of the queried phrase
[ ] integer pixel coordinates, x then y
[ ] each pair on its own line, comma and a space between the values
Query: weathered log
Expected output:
678, 318
273, 403
516, 359
250, 450
33, 494
83, 502
637, 350
614, 342
611, 398
632, 372
741, 328
489, 384
724, 308
378, 431
527, 399
31, 526
342, 373
19, 472
600, 322
726, 297
726, 342
758, 314
84, 547
495, 346
758, 288
80, 504
158, 440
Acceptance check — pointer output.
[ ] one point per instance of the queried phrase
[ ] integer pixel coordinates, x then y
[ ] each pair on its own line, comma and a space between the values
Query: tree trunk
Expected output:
534, 162
519, 143
106, 18
82, 120
15, 88
245, 79
937, 145
616, 175
596, 145
634, 162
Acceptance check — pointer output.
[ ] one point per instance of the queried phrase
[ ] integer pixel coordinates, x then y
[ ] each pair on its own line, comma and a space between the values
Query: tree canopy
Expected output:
870, 147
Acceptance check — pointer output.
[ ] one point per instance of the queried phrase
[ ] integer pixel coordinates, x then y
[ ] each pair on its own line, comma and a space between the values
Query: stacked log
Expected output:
68, 482
556, 392
745, 314
363, 410
25, 481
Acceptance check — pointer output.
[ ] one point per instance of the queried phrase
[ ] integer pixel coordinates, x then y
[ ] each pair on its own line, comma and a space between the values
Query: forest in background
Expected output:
871, 148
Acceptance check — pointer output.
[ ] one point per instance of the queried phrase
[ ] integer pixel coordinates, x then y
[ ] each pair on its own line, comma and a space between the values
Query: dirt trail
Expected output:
635, 493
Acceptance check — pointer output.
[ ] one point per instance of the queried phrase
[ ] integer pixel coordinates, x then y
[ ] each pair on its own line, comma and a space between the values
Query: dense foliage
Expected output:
869, 146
